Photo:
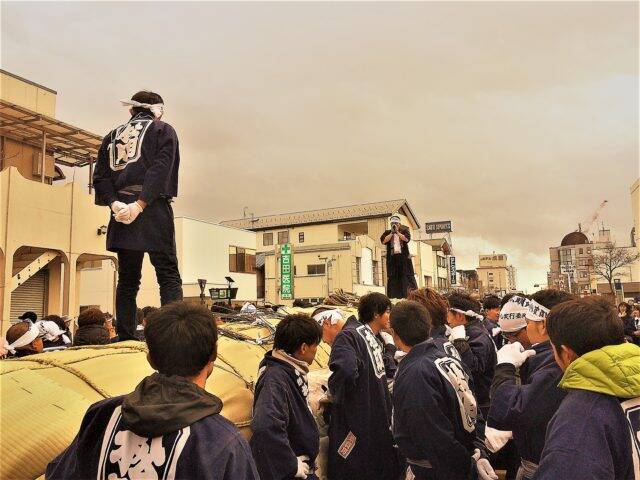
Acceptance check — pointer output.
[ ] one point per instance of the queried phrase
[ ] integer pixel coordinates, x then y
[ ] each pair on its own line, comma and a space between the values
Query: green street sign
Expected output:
286, 272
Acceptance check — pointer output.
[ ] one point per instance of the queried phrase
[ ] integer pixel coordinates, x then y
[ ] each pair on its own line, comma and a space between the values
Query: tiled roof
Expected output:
325, 215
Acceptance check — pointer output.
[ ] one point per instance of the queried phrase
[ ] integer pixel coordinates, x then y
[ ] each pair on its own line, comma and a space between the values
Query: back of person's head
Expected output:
463, 301
585, 324
490, 302
181, 338
17, 330
411, 322
372, 304
294, 330
91, 316
148, 310
435, 304
549, 297
145, 96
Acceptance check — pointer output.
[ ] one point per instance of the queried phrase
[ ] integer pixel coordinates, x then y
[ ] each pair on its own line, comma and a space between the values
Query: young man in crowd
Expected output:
524, 392
136, 176
512, 321
285, 441
170, 426
360, 442
22, 339
491, 307
434, 419
474, 344
595, 434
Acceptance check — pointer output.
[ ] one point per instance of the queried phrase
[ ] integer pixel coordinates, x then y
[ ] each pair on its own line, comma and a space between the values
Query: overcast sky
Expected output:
514, 120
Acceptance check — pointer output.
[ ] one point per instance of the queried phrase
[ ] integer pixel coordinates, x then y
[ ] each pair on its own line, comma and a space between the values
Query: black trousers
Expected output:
129, 275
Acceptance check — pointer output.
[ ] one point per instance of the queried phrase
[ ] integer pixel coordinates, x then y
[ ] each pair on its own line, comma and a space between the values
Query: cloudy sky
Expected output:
514, 120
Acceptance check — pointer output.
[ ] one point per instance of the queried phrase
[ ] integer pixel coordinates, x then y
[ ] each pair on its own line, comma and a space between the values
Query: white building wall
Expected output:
203, 252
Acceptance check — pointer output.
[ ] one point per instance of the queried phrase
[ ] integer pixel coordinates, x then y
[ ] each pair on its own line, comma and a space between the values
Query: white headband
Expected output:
512, 314
536, 312
50, 331
156, 108
28, 337
333, 316
468, 313
394, 219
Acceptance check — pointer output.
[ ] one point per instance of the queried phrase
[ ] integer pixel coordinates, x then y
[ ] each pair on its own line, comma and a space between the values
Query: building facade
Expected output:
334, 248
571, 264
495, 275
48, 232
205, 250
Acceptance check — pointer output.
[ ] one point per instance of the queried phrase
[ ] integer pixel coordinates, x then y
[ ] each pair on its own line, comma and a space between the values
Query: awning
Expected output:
260, 260
70, 146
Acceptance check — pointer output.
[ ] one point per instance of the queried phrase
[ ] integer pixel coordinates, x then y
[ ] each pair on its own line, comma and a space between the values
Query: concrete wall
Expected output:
37, 218
27, 94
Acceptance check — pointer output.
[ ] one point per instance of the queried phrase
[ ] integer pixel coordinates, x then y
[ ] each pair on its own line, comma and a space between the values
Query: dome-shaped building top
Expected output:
574, 238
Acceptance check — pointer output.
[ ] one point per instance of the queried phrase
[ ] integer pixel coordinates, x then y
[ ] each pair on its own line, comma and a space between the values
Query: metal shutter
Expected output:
31, 295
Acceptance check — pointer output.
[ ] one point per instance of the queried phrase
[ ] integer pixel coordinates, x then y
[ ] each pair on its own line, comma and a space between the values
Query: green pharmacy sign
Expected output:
286, 272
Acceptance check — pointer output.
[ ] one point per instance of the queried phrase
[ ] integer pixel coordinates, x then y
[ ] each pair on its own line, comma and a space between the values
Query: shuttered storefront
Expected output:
30, 296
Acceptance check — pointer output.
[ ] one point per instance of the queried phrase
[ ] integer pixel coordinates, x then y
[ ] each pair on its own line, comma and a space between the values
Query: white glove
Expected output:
494, 439
495, 331
485, 470
128, 214
387, 338
117, 206
303, 467
515, 354
458, 333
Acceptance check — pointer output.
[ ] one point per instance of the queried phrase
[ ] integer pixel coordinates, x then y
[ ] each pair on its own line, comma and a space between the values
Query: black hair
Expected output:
490, 302
182, 339
411, 322
294, 330
549, 297
506, 298
91, 316
372, 304
463, 301
145, 96
147, 311
585, 324
627, 308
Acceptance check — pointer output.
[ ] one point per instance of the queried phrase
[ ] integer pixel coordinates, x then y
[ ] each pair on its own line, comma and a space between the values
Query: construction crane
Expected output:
586, 226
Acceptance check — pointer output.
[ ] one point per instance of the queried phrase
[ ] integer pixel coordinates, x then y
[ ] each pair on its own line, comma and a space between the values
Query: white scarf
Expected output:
28, 337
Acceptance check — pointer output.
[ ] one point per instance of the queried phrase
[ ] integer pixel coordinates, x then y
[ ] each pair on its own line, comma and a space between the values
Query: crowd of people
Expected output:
433, 387
94, 327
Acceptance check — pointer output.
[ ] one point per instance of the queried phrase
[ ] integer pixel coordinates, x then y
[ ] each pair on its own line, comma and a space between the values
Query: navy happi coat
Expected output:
434, 414
360, 439
283, 426
140, 160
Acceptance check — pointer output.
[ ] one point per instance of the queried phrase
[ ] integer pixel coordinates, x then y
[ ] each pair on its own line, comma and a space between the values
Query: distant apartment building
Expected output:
571, 264
332, 248
495, 275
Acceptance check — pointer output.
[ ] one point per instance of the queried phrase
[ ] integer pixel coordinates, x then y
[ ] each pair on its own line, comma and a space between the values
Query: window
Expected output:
301, 237
283, 237
267, 239
242, 260
319, 269
580, 251
583, 274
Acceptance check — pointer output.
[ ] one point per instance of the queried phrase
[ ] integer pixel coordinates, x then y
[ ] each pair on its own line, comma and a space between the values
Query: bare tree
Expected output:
609, 259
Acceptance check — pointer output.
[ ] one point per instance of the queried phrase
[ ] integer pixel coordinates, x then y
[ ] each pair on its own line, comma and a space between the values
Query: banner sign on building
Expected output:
286, 272
438, 227
452, 270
